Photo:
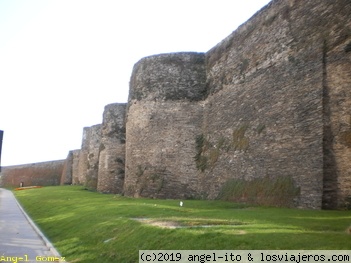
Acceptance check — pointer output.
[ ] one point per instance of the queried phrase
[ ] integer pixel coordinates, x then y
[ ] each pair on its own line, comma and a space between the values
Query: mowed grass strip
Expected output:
92, 227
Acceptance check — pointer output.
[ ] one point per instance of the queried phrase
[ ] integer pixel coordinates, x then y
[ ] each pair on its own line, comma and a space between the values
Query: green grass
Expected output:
92, 227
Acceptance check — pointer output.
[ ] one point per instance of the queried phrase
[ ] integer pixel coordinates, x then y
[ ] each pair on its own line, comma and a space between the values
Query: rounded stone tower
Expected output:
174, 76
164, 116
112, 149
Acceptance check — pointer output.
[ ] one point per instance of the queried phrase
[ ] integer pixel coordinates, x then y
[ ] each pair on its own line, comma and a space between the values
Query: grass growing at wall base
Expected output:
92, 227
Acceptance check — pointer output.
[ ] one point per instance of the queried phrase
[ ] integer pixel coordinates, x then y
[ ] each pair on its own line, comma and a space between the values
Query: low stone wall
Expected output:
41, 174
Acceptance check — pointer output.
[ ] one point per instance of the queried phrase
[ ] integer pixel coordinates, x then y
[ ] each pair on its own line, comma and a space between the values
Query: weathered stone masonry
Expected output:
263, 117
164, 117
111, 169
70, 168
89, 156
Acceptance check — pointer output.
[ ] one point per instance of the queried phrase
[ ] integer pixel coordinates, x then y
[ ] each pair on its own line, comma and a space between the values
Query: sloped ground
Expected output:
92, 227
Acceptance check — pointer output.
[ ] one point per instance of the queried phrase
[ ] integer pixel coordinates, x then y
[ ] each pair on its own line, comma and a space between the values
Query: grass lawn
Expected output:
92, 227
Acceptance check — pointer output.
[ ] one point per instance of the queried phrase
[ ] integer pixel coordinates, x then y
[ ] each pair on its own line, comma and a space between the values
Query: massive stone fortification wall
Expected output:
263, 117
41, 174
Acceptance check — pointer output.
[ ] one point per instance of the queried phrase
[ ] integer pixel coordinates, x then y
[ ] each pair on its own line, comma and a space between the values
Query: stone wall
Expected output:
264, 114
111, 168
88, 161
337, 107
33, 174
263, 117
70, 168
163, 118
265, 104
160, 152
100, 163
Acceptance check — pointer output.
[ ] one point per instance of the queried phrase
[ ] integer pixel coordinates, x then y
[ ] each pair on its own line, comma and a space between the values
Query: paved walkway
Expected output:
20, 239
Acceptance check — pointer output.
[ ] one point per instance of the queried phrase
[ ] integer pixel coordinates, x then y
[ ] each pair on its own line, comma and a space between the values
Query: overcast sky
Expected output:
62, 61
